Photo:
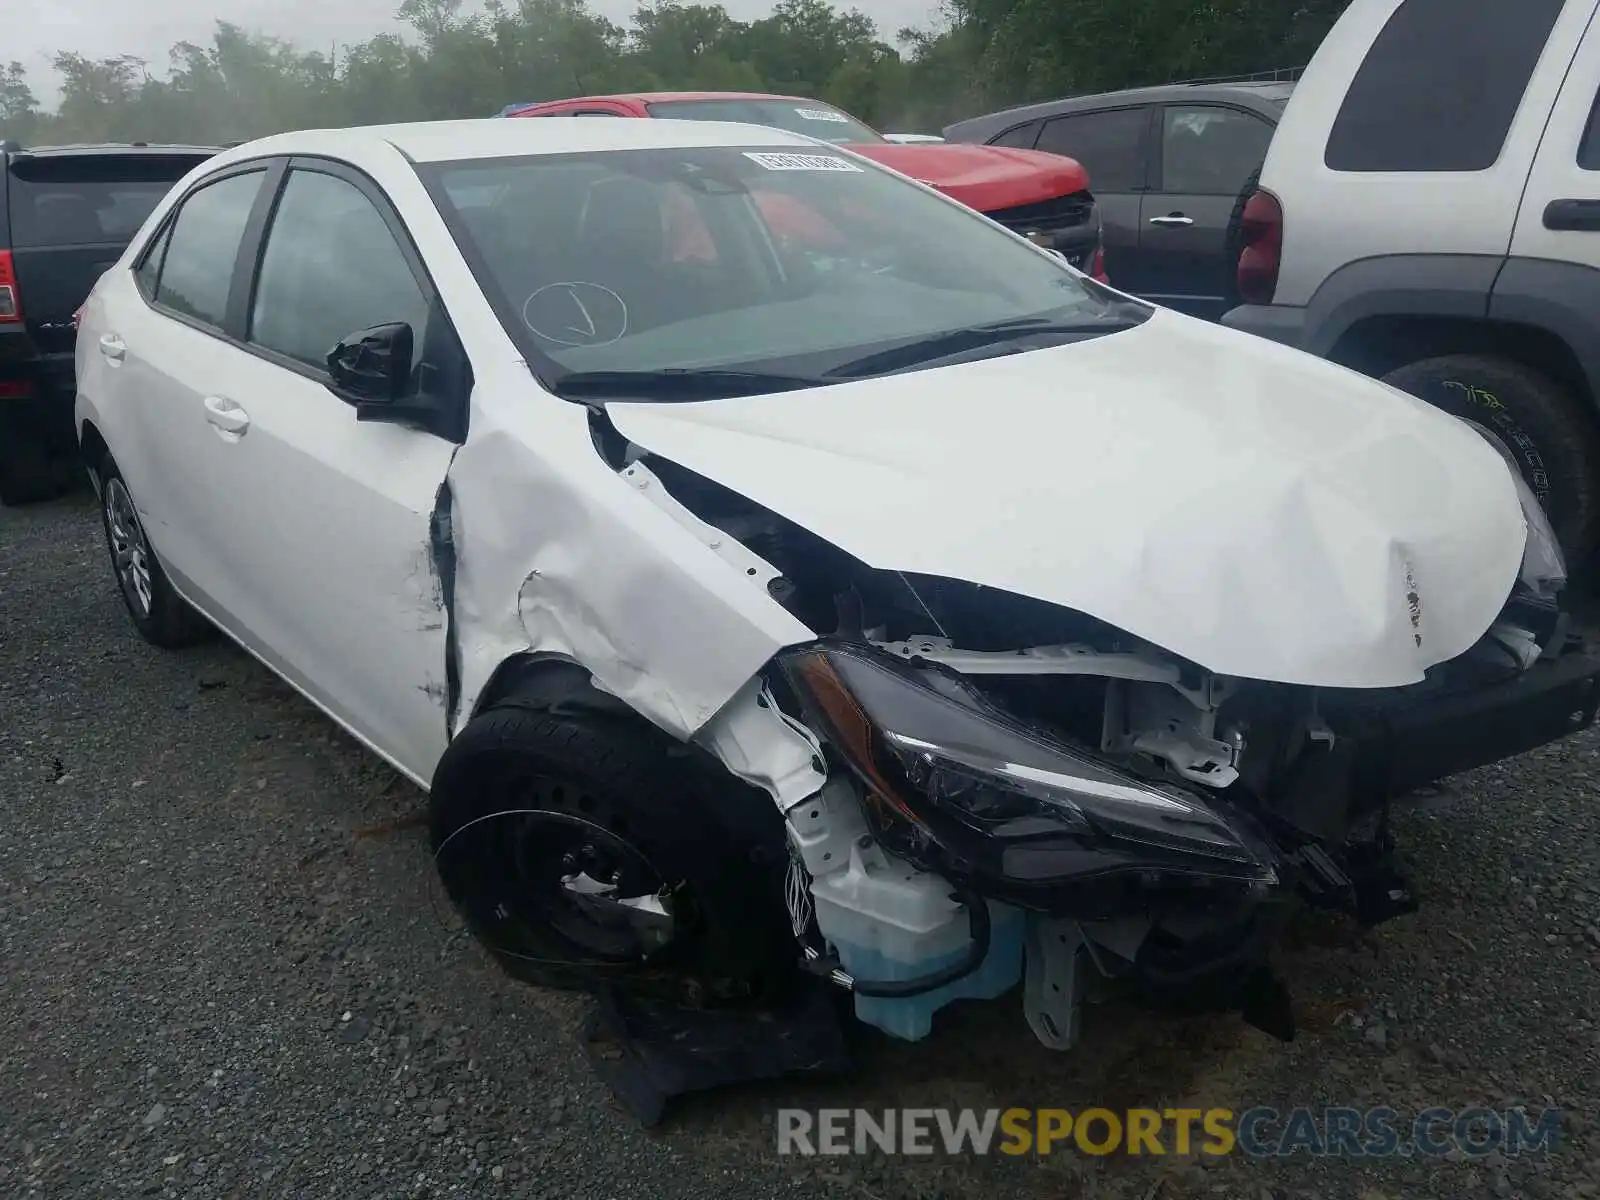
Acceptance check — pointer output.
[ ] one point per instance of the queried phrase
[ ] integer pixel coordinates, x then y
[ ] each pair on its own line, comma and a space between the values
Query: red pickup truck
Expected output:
1044, 197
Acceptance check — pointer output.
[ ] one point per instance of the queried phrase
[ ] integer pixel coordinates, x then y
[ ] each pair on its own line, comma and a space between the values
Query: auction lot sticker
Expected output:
821, 114
800, 162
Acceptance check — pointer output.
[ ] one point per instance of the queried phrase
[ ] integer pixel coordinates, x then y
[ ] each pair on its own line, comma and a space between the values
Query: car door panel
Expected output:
174, 351
1112, 145
1558, 216
338, 589
1203, 155
331, 580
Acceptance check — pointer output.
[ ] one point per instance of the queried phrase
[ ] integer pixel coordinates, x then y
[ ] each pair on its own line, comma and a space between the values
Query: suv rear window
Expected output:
87, 200
1440, 86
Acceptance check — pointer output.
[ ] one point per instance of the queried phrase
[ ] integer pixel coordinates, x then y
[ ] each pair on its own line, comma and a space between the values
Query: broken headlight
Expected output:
1544, 567
991, 790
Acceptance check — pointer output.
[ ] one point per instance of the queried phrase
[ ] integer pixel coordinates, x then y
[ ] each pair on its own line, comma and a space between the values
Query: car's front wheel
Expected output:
162, 617
586, 850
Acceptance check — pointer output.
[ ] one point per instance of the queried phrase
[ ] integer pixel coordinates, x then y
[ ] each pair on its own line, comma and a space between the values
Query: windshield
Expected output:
723, 259
810, 117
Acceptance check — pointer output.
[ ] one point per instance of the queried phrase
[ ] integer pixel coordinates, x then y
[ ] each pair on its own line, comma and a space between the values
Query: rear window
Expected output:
87, 201
810, 117
1440, 86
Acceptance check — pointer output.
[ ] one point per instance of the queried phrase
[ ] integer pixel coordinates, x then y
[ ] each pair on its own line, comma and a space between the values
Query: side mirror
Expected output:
373, 366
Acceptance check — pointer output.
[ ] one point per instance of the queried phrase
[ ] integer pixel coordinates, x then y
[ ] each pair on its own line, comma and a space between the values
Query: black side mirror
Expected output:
373, 366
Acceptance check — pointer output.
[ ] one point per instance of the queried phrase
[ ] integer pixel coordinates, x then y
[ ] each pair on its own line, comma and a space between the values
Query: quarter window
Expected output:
1022, 137
197, 269
1440, 86
331, 267
1109, 145
1208, 151
150, 268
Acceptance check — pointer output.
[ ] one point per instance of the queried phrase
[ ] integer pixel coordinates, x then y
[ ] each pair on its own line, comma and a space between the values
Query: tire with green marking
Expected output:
1549, 431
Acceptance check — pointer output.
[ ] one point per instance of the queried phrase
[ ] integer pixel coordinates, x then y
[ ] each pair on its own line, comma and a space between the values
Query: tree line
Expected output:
461, 61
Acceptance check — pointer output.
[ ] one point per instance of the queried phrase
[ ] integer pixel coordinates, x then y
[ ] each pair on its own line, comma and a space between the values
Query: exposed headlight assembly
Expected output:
1001, 796
1544, 566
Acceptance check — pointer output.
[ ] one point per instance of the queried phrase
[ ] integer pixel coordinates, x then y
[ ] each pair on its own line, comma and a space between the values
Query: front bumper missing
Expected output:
1381, 755
1456, 732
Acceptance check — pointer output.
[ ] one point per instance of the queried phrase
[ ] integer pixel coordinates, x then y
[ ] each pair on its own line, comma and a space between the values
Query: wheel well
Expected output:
543, 681
1377, 345
93, 448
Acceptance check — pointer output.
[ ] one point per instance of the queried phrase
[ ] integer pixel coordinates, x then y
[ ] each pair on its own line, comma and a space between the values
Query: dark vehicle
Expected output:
1168, 165
66, 213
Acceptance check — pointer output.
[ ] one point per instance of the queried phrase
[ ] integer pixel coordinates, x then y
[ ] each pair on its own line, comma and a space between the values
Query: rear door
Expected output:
1112, 144
1204, 154
71, 217
1560, 215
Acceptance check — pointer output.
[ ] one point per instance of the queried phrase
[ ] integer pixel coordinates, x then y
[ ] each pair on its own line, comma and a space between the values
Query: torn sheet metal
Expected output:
558, 555
1253, 509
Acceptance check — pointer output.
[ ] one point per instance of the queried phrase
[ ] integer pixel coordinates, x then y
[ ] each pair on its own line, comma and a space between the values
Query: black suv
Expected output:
1167, 165
66, 213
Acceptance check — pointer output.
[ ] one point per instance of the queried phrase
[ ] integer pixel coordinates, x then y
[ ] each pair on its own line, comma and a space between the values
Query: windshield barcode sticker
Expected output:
821, 114
800, 162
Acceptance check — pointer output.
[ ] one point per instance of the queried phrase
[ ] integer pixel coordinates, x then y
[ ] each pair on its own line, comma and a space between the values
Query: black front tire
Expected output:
1554, 439
162, 617
519, 780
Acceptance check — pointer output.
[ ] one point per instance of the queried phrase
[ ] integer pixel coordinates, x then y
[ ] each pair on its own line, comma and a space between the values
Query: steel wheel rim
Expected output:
130, 550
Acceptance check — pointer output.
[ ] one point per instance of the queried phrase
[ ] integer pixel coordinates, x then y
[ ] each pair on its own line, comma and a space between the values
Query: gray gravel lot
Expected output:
225, 971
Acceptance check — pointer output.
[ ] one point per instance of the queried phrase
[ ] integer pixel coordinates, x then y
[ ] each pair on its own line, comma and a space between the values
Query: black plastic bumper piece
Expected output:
1443, 736
648, 1053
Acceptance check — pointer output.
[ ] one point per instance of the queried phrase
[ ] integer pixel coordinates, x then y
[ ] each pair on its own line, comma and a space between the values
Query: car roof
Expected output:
100, 149
1268, 95
490, 137
668, 97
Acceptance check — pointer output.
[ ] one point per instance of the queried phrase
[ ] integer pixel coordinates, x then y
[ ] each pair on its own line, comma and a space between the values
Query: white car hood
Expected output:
1255, 510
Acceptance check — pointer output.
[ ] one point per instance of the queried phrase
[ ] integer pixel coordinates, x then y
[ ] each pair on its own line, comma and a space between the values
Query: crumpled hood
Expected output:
1258, 511
987, 178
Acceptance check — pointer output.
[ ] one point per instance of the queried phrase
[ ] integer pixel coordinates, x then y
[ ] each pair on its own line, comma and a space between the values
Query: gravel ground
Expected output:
225, 971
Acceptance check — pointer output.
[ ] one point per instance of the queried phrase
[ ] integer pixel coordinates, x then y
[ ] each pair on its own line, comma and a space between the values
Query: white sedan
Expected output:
777, 571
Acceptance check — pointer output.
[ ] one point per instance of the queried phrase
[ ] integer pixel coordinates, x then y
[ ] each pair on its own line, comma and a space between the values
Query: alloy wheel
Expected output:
130, 550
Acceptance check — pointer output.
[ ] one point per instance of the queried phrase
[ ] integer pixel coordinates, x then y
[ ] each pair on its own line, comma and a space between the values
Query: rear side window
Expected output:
87, 201
1109, 145
150, 268
1023, 136
1440, 86
197, 271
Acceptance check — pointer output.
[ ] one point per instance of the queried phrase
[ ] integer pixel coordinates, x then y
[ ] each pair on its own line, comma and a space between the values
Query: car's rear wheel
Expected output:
585, 850
162, 617
1554, 440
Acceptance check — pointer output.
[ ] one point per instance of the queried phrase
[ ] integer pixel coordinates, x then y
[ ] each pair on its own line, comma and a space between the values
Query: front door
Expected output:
1206, 153
1111, 145
338, 589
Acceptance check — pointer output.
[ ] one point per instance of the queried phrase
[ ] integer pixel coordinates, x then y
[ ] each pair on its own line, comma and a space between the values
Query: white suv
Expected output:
1429, 214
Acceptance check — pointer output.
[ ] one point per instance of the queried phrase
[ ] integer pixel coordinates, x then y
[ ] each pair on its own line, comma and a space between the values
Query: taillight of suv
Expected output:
1261, 248
10, 302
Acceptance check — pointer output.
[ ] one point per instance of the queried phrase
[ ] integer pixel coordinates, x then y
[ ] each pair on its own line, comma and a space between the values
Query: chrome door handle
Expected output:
227, 416
112, 346
1174, 219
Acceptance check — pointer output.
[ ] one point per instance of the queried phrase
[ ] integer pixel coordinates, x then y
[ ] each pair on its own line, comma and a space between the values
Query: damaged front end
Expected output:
1075, 808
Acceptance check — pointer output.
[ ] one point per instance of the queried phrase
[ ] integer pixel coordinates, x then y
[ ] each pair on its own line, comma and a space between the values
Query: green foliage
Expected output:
469, 62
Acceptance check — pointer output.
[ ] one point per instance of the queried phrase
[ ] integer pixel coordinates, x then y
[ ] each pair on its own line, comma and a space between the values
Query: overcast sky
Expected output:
101, 28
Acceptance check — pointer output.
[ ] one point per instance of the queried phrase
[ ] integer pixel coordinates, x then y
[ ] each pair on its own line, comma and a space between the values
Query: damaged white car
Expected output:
778, 572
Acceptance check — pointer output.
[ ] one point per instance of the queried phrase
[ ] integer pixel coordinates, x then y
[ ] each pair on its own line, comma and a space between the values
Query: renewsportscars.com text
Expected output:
1255, 1132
